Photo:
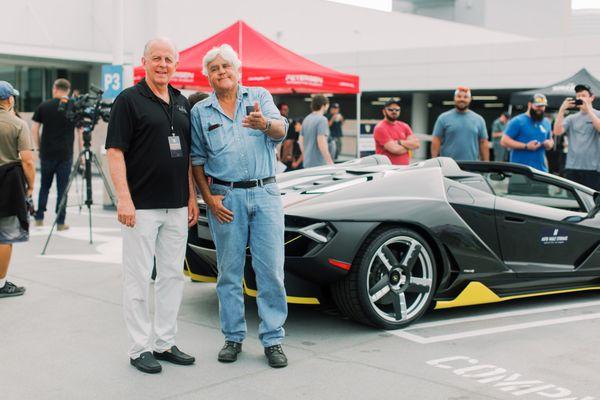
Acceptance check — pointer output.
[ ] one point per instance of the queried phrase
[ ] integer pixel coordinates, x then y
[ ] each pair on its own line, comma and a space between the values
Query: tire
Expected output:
392, 280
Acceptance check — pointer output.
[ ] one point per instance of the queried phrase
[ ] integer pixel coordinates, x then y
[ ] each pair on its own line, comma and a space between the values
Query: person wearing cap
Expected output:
529, 134
394, 138
335, 120
17, 176
583, 132
498, 127
234, 135
460, 133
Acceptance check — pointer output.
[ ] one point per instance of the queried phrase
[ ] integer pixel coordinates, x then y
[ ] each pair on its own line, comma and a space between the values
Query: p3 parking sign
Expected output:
112, 81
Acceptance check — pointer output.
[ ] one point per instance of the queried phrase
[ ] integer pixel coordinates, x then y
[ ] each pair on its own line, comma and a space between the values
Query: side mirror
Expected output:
593, 212
596, 208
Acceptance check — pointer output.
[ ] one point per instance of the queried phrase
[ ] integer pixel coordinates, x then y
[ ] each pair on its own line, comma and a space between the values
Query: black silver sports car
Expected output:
387, 243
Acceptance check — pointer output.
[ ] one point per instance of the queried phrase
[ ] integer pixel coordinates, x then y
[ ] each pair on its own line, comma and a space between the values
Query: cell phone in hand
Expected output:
249, 109
578, 102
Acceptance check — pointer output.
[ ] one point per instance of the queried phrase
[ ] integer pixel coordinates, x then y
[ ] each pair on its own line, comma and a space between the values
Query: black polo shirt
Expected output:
139, 125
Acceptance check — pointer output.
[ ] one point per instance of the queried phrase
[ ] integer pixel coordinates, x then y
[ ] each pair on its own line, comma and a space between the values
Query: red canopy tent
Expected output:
264, 63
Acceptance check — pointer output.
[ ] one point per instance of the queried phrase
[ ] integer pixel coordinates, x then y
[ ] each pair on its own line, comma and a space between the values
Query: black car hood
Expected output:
334, 193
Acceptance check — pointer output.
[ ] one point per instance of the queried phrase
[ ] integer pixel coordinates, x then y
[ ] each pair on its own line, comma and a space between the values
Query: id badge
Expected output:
175, 147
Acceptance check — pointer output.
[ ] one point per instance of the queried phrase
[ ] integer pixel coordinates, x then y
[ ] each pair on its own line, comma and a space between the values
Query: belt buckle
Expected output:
257, 182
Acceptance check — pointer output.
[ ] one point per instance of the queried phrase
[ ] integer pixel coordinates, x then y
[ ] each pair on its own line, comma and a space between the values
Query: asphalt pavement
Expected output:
66, 339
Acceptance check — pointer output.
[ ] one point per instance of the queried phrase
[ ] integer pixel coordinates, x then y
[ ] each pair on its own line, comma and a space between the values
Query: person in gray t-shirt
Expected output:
314, 134
583, 132
460, 133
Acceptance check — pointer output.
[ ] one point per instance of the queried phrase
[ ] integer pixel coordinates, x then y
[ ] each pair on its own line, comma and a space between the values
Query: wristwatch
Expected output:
268, 127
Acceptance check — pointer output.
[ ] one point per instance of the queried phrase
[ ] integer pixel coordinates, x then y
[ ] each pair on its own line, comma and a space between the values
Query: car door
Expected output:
535, 233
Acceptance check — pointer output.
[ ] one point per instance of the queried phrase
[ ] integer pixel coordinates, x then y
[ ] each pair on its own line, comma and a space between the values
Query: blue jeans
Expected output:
62, 169
257, 221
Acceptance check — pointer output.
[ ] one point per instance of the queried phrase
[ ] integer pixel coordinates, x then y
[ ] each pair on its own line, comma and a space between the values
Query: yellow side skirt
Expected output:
290, 299
247, 290
478, 293
196, 277
199, 278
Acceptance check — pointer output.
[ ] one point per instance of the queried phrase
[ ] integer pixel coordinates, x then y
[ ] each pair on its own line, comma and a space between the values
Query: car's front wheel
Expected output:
391, 282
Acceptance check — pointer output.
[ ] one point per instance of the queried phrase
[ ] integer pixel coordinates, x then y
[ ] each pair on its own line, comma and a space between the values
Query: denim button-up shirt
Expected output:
229, 151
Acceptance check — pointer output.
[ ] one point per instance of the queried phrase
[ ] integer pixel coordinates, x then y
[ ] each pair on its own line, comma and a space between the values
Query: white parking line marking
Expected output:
530, 311
489, 331
409, 336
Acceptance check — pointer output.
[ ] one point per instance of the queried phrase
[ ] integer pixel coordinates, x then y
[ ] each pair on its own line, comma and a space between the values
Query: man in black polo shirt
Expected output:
148, 146
56, 149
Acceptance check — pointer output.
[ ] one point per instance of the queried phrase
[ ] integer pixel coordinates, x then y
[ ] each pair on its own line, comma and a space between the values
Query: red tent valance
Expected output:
264, 63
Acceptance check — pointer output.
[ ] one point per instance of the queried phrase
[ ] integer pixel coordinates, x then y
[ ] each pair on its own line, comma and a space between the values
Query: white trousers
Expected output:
161, 233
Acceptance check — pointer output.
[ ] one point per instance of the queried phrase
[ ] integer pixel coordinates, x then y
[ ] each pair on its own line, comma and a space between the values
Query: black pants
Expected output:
585, 177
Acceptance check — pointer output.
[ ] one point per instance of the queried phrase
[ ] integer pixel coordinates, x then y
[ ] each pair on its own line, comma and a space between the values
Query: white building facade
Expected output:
420, 52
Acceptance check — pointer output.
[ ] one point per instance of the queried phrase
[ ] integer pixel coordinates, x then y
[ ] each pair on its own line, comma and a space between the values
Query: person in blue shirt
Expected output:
460, 133
528, 134
234, 134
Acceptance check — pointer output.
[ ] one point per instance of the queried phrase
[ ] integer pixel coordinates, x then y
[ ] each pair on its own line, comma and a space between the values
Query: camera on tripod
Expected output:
86, 110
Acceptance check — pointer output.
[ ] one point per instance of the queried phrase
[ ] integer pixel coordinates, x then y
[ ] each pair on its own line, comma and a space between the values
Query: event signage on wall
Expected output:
112, 81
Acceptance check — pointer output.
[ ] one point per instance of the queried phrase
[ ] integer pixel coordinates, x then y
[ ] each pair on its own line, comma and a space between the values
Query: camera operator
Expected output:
583, 131
55, 147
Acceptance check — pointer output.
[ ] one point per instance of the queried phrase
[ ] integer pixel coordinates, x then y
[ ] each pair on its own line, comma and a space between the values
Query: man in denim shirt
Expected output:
234, 134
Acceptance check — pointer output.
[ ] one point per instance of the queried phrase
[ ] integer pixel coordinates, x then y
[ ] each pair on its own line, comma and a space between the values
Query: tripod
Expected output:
89, 157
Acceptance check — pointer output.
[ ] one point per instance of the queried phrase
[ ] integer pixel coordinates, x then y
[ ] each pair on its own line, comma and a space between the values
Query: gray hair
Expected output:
225, 51
168, 41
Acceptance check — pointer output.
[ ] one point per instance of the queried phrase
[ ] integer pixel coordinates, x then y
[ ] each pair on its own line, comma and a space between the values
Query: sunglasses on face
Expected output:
393, 109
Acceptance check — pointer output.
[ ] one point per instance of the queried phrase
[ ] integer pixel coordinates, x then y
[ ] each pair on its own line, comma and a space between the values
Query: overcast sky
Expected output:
386, 5
578, 4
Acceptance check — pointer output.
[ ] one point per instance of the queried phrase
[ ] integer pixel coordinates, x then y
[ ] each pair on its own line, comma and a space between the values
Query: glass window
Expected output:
31, 88
8, 73
35, 83
80, 81
522, 188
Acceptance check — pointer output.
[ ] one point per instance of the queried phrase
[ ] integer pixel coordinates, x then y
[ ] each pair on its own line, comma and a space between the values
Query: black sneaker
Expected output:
146, 363
275, 356
230, 351
175, 356
10, 289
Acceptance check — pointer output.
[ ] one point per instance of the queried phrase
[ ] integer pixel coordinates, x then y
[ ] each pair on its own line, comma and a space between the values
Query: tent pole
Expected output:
358, 95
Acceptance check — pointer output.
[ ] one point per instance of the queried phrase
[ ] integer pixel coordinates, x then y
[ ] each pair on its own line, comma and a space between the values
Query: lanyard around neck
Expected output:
169, 112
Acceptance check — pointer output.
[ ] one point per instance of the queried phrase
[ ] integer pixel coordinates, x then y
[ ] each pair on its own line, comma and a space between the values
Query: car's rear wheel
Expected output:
392, 280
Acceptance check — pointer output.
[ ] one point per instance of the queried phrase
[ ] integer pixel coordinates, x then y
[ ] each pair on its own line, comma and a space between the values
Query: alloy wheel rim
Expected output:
397, 290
